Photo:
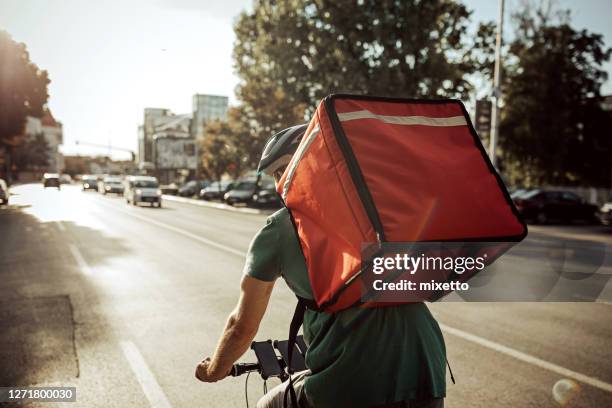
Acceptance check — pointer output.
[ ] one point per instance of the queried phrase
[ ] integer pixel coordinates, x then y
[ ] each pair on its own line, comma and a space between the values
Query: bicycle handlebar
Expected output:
265, 351
243, 368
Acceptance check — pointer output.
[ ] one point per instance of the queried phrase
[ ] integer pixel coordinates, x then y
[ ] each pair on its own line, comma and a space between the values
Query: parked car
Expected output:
241, 193
89, 182
216, 190
142, 189
266, 195
4, 193
192, 188
51, 180
169, 189
544, 206
605, 214
111, 185
65, 179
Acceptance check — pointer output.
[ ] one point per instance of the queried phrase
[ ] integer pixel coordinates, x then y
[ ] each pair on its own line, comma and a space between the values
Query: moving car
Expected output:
51, 180
89, 183
216, 190
192, 188
543, 206
111, 185
241, 193
4, 193
142, 189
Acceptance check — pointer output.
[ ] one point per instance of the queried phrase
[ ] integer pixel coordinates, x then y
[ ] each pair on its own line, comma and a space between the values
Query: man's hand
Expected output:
239, 331
204, 374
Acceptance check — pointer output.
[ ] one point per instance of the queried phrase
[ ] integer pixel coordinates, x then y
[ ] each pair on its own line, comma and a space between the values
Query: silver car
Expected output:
111, 185
142, 189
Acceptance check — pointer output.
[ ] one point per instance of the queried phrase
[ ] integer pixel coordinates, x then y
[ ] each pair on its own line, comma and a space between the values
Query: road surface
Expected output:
122, 302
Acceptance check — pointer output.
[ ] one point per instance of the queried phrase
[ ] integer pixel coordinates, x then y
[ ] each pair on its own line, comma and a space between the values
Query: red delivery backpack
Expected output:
377, 170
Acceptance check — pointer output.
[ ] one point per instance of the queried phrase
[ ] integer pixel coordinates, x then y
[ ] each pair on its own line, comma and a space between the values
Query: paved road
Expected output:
122, 301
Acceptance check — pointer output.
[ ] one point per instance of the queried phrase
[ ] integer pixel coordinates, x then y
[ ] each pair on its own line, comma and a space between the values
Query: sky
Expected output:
109, 60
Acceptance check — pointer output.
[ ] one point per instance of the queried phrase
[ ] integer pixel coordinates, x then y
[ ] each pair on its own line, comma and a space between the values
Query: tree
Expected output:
23, 89
23, 92
230, 146
218, 154
553, 130
290, 54
224, 149
32, 154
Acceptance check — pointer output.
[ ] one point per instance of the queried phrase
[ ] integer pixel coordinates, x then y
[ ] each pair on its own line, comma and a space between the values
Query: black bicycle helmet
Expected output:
280, 148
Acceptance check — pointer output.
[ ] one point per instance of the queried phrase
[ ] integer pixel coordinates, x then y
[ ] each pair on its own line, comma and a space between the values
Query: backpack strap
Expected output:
296, 323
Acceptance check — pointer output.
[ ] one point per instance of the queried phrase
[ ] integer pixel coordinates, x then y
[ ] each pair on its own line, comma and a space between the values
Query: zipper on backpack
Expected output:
355, 171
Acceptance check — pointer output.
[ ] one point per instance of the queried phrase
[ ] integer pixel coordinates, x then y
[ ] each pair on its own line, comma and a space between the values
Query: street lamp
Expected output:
496, 87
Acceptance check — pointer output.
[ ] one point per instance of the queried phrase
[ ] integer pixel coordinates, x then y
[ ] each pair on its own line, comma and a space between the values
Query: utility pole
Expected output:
496, 87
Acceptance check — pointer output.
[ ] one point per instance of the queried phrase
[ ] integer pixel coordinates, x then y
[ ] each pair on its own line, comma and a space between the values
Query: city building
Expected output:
22, 159
174, 151
205, 109
153, 117
52, 131
167, 142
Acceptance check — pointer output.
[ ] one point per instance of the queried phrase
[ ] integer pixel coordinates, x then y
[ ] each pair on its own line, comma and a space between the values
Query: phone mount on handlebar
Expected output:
269, 364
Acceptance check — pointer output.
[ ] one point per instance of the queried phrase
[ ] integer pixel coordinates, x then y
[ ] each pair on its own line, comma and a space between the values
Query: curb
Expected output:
218, 206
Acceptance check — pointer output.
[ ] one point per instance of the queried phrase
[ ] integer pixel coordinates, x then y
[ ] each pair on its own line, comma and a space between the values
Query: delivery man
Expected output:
360, 357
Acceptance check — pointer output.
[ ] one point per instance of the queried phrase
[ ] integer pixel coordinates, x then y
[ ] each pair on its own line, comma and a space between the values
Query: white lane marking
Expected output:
60, 226
565, 372
145, 377
78, 257
182, 232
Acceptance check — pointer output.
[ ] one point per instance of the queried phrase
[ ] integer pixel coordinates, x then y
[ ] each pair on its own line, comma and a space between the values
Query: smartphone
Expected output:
266, 356
297, 363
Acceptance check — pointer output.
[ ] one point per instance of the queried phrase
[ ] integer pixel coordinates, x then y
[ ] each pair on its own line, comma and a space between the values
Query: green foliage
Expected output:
291, 54
483, 51
228, 147
553, 130
23, 89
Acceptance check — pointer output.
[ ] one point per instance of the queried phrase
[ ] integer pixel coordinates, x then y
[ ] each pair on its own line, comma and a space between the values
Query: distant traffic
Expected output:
538, 206
252, 191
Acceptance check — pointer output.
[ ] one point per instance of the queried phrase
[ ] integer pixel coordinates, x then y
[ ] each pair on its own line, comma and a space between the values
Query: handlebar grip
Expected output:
242, 368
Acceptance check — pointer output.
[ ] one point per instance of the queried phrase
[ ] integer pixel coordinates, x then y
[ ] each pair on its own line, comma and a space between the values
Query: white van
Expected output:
142, 189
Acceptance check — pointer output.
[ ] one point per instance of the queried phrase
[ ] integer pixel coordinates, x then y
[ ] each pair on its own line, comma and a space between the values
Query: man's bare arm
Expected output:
240, 329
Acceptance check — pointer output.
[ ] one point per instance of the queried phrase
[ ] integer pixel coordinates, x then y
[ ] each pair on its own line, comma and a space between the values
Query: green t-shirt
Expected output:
360, 356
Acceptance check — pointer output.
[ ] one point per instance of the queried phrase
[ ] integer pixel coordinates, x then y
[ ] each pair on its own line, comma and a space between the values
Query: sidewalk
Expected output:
219, 206
592, 233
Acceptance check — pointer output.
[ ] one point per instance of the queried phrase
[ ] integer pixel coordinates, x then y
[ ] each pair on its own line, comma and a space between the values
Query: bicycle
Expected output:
270, 363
